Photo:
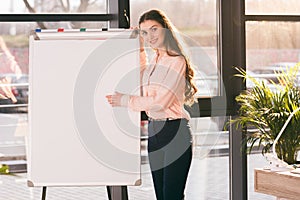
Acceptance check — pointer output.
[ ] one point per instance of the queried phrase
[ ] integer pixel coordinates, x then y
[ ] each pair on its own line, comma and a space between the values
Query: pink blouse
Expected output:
163, 88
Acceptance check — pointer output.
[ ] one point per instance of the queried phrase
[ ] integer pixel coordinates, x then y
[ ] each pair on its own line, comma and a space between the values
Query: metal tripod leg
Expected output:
44, 193
117, 192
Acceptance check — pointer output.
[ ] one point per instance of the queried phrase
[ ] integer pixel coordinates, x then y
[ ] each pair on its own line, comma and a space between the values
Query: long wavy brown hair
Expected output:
174, 48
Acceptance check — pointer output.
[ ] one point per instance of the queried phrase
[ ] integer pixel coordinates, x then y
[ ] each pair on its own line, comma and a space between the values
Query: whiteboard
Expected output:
76, 138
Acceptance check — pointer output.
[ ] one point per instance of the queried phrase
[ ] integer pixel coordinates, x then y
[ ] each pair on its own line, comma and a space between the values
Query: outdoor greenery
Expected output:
266, 110
4, 169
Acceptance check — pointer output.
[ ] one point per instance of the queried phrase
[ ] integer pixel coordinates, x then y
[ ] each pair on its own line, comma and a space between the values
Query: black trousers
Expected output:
170, 155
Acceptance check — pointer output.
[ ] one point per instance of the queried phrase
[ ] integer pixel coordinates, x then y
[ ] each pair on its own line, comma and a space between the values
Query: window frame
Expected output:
118, 15
238, 159
231, 52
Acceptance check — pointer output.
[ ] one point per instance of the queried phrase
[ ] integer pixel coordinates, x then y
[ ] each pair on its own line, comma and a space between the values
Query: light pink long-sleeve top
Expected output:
163, 88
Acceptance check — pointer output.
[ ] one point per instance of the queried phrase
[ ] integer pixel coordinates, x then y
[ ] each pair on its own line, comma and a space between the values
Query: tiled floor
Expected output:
208, 180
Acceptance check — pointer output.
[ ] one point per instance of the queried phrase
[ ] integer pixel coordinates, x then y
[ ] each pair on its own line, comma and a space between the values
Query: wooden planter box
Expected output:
283, 185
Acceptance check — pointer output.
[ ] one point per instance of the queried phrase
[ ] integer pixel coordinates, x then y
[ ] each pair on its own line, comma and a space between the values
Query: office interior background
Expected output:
255, 35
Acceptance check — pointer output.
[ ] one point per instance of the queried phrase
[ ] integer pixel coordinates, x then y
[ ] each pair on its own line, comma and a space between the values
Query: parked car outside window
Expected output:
18, 86
271, 72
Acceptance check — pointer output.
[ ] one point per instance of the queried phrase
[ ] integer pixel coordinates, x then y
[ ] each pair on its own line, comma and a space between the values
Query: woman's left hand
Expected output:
114, 99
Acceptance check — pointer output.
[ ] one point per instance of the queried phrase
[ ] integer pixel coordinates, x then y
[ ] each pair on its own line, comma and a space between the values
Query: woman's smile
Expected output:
153, 41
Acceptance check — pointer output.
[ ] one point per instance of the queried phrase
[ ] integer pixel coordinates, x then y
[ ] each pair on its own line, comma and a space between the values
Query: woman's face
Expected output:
153, 33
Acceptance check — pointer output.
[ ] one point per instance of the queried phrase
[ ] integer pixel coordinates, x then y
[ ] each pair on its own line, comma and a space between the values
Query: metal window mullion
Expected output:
272, 17
232, 29
55, 17
120, 9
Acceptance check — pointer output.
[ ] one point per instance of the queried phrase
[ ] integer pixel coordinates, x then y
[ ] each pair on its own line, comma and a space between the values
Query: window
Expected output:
272, 42
198, 26
271, 46
272, 7
50, 6
197, 21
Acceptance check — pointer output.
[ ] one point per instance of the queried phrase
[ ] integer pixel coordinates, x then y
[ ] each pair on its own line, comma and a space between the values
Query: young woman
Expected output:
167, 84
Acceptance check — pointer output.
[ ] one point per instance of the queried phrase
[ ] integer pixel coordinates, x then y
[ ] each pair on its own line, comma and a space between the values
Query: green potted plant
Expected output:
265, 110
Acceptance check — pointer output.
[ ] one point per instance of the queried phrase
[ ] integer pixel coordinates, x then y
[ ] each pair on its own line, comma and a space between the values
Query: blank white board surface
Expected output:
76, 138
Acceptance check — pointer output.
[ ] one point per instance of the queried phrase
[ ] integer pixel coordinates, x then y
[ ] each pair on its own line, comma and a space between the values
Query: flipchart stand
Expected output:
75, 68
